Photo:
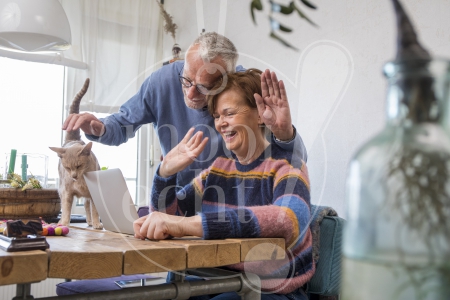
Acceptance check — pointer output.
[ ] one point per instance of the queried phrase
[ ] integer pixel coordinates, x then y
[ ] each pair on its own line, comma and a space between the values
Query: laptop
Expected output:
112, 199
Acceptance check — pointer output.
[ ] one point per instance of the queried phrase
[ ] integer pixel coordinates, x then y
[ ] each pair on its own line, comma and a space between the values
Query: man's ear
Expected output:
260, 122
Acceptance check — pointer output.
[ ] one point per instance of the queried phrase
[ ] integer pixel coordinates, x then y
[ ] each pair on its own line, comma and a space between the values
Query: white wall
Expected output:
335, 84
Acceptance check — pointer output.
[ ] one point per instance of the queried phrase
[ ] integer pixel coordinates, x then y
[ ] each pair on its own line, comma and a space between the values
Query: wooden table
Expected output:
88, 254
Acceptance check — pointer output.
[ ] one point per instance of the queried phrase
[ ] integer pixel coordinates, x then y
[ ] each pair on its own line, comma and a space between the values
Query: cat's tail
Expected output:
75, 109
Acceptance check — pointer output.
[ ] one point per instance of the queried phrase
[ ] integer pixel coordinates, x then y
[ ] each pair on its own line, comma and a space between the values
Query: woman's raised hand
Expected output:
183, 154
273, 106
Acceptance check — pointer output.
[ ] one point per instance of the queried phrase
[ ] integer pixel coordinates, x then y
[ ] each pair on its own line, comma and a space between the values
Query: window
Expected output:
32, 112
123, 157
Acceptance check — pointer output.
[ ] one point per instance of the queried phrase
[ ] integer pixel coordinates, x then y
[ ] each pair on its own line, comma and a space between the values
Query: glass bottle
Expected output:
397, 236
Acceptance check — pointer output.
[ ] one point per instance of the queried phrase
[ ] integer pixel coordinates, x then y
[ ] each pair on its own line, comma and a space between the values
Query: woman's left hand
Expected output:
273, 106
160, 226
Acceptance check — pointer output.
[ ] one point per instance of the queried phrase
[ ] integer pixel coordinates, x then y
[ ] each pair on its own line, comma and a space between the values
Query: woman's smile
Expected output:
228, 135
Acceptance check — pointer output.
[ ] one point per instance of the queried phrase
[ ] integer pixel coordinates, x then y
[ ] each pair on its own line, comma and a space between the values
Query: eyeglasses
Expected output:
200, 88
187, 83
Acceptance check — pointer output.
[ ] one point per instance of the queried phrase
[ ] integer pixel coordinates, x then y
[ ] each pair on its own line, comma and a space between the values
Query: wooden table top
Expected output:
87, 254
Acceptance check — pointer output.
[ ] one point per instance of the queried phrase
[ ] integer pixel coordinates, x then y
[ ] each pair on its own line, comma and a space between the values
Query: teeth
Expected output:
228, 134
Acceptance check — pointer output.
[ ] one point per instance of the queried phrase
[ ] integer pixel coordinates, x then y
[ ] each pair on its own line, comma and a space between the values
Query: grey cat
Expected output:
76, 158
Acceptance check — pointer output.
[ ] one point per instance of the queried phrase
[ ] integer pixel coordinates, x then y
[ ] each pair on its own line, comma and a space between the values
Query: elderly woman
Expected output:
253, 192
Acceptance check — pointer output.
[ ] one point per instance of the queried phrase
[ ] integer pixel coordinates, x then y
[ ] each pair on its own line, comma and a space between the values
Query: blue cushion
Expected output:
94, 285
326, 280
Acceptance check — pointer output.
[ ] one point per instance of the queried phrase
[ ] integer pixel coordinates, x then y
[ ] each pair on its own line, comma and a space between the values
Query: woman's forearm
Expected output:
192, 226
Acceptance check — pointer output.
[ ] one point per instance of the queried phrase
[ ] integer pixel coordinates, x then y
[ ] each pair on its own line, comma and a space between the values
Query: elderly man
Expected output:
159, 101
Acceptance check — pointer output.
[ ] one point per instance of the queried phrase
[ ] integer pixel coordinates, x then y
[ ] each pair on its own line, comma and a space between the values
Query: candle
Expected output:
12, 161
24, 167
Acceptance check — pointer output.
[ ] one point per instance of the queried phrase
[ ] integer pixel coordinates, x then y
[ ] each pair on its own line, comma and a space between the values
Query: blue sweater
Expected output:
160, 101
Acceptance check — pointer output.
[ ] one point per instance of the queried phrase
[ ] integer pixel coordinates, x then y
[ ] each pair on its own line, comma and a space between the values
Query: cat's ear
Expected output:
58, 150
86, 151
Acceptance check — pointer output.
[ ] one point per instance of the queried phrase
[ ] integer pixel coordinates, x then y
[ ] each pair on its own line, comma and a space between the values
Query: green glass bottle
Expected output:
397, 235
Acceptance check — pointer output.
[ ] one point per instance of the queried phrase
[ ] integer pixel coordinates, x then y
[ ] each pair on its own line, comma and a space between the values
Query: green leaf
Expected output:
285, 29
304, 16
256, 4
252, 6
287, 9
273, 35
104, 168
277, 26
309, 4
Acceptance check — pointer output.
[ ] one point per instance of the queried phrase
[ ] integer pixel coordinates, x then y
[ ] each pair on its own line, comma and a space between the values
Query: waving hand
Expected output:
273, 106
183, 154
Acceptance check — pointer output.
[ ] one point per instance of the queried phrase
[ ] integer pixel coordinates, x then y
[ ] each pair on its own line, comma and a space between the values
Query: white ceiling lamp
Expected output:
34, 26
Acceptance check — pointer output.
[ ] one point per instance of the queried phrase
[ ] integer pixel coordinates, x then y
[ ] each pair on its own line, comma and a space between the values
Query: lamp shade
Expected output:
34, 26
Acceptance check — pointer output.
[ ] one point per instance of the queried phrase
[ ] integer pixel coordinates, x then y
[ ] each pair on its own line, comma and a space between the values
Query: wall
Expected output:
335, 84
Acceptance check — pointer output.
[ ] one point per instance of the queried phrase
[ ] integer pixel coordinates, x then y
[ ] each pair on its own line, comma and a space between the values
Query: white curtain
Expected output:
120, 41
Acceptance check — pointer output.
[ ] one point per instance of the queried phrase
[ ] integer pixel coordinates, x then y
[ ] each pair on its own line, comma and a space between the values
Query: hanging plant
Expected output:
169, 27
276, 26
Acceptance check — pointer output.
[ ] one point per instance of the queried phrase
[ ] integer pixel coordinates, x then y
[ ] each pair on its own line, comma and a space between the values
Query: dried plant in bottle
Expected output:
422, 195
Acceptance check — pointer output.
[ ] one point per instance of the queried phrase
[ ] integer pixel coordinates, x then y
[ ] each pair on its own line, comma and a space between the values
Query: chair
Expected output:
325, 283
327, 234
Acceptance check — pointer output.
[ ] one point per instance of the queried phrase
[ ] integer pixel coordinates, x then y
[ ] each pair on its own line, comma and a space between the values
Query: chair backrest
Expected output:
326, 280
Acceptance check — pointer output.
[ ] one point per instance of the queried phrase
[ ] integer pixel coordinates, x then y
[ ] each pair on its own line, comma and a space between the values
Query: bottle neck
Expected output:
417, 92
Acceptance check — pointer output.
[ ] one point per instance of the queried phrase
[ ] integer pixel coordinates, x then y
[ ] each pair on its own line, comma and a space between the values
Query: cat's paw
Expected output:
97, 225
62, 223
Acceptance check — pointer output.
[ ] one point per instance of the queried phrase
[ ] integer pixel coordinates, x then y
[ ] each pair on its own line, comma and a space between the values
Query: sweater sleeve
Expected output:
171, 199
296, 146
288, 216
121, 126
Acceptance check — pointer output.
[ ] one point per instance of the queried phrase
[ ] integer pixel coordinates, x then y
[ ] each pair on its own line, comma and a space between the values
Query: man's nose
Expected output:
192, 92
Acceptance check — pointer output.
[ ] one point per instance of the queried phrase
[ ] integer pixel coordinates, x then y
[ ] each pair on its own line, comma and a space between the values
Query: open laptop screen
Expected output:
112, 199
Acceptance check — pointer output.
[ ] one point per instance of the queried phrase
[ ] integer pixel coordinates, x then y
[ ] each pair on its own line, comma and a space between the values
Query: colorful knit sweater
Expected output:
267, 198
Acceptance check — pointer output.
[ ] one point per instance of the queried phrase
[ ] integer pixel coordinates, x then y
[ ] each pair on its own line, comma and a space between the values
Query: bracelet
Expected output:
287, 141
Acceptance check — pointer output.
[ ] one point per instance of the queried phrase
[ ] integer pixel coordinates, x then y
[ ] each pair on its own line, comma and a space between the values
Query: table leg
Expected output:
179, 276
23, 291
250, 283
246, 285
251, 288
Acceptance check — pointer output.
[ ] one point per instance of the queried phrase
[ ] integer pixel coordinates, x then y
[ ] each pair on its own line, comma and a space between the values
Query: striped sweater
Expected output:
266, 198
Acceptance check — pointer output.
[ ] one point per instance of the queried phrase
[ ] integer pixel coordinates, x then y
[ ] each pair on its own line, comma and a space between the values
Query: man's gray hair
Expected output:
212, 44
